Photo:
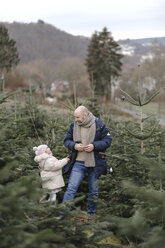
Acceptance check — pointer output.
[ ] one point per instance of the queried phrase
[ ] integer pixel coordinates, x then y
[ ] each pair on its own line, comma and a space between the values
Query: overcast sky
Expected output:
124, 18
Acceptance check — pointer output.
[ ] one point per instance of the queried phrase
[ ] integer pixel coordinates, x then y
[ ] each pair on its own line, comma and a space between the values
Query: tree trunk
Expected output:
112, 89
2, 82
43, 90
158, 106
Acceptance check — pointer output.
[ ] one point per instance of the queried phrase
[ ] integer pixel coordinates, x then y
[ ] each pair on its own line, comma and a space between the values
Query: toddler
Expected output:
50, 170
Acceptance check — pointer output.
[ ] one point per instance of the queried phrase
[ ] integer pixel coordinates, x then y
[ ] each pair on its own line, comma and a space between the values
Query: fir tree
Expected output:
136, 182
103, 61
8, 53
25, 221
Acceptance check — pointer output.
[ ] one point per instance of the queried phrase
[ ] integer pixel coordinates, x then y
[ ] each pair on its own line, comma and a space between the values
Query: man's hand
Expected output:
79, 147
89, 148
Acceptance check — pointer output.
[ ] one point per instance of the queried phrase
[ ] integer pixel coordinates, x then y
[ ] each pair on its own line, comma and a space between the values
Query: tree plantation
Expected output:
130, 206
131, 201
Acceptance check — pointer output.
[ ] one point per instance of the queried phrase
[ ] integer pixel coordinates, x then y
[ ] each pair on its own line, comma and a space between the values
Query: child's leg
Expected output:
52, 196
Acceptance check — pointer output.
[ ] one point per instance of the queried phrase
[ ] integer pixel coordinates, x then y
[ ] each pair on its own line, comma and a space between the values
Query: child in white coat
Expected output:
50, 170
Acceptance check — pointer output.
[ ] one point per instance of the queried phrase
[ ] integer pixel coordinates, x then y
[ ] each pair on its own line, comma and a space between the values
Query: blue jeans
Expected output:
77, 175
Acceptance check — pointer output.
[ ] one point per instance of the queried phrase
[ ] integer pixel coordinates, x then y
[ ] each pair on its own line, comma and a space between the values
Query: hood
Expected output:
41, 157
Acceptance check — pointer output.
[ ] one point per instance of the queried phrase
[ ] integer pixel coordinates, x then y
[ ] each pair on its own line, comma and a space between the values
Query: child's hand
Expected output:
68, 159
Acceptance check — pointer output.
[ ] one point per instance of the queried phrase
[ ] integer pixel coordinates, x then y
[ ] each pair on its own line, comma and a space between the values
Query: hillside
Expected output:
137, 50
144, 41
44, 41
37, 41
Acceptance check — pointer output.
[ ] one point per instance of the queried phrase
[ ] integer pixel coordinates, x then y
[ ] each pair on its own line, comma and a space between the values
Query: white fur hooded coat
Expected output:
51, 171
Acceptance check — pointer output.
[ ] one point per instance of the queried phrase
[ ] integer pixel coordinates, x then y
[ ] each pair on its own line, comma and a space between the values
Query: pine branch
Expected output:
136, 104
4, 97
154, 95
141, 136
139, 100
114, 156
34, 125
67, 106
130, 99
120, 158
144, 119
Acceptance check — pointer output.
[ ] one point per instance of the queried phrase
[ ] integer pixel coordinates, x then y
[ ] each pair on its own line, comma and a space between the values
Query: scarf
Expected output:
89, 123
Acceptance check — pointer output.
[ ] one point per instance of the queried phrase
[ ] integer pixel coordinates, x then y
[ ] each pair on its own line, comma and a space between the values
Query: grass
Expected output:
151, 108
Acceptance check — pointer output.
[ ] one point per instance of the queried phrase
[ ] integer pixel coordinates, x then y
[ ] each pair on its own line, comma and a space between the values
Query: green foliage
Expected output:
131, 198
136, 208
26, 222
8, 50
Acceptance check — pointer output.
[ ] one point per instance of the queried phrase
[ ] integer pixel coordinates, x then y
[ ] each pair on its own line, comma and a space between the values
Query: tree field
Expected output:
131, 202
130, 206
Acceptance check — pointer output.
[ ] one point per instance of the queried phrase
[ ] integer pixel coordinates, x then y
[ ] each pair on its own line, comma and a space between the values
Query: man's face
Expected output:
79, 117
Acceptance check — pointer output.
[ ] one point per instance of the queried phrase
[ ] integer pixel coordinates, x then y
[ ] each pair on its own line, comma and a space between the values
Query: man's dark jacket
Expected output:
101, 142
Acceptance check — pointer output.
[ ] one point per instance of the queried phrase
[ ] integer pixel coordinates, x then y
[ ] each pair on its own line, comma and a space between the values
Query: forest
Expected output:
131, 201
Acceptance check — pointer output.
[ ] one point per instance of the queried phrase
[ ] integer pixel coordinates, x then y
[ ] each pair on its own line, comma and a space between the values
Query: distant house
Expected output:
60, 86
60, 89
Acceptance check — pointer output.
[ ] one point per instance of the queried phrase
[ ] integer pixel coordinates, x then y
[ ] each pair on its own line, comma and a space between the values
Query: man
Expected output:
88, 136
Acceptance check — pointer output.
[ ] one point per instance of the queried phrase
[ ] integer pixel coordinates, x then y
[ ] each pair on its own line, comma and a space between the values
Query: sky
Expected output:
125, 19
